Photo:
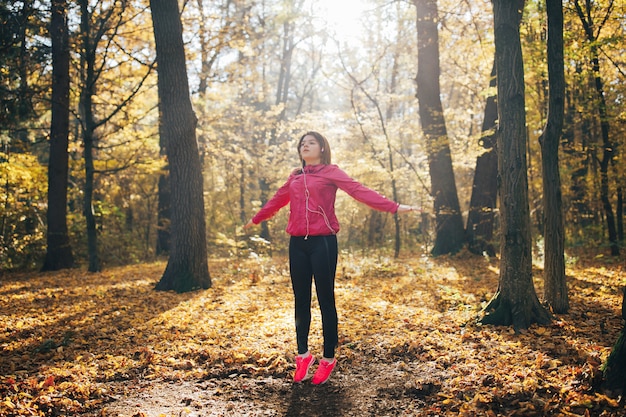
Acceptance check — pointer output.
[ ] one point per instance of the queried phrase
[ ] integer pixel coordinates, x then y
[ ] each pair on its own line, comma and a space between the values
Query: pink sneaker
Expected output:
302, 367
323, 371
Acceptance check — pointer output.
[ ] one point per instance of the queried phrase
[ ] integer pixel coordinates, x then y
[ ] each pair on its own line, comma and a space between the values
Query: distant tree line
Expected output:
79, 98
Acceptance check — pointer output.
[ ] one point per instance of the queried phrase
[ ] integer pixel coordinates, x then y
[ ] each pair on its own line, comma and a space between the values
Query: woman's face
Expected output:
310, 150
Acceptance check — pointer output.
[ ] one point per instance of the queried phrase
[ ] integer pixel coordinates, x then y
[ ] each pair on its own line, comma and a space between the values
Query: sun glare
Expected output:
342, 17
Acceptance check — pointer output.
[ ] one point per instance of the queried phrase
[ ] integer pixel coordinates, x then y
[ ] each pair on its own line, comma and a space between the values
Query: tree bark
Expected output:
555, 285
164, 214
59, 251
515, 301
481, 217
88, 133
450, 234
187, 267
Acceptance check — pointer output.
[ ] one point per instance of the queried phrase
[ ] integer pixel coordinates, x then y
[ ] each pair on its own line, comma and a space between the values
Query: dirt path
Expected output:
369, 389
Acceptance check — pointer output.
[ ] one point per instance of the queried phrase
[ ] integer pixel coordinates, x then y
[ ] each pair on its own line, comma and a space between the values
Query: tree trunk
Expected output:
25, 94
614, 368
555, 285
88, 132
375, 230
390, 112
515, 301
607, 157
187, 267
265, 191
242, 192
204, 50
619, 213
481, 216
282, 95
284, 75
449, 222
394, 191
88, 209
164, 213
59, 251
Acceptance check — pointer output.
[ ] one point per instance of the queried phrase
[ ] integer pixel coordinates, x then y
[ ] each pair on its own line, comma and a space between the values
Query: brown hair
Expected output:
324, 145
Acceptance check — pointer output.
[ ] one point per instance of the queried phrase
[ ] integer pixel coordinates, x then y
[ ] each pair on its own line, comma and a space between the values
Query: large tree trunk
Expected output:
59, 251
515, 301
555, 286
481, 216
449, 222
187, 268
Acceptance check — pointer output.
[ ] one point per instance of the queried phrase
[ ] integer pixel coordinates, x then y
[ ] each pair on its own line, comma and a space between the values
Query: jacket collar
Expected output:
313, 169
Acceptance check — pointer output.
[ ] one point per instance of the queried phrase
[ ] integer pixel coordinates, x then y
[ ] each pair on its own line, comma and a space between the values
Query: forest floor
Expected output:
106, 344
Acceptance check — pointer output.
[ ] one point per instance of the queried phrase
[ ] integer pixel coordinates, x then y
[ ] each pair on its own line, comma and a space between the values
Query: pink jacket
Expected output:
311, 193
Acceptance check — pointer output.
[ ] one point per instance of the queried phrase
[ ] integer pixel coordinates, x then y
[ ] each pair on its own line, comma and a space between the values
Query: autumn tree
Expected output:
59, 252
450, 233
288, 39
218, 27
24, 105
102, 98
260, 73
285, 59
515, 301
377, 81
482, 209
187, 267
555, 286
386, 159
592, 29
388, 164
89, 125
22, 55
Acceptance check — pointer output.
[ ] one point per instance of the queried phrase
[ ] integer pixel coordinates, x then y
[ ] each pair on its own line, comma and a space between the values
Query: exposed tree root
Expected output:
520, 313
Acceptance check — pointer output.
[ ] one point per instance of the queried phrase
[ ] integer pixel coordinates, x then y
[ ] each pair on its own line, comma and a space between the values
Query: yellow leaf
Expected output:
7, 401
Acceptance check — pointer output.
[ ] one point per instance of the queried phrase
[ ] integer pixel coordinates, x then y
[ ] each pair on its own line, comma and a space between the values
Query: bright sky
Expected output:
342, 16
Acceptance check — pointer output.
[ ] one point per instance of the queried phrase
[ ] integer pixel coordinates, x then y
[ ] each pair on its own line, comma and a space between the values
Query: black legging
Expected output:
315, 256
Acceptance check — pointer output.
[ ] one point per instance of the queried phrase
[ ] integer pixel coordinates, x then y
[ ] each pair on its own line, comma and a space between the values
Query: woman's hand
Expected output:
248, 225
404, 208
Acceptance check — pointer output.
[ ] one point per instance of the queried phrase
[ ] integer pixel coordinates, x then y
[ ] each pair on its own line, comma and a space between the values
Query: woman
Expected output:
313, 227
